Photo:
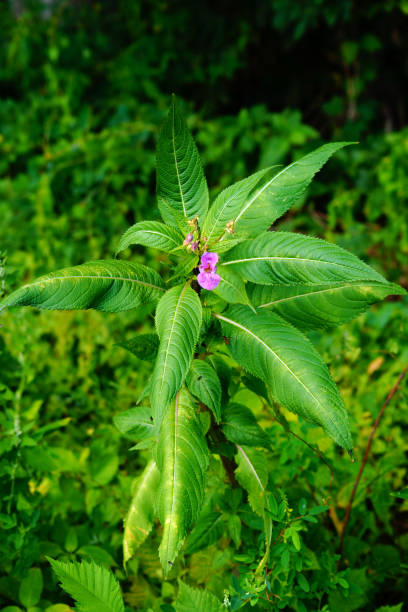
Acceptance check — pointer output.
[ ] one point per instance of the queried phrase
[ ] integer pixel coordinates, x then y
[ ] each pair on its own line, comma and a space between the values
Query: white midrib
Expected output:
80, 277
160, 234
251, 467
171, 332
268, 348
280, 258
173, 141
311, 293
262, 189
173, 495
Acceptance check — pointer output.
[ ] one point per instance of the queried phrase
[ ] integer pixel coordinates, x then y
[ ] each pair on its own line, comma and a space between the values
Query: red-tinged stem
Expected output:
364, 461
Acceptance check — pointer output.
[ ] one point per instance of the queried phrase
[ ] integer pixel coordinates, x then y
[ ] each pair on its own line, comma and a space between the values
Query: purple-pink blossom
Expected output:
208, 277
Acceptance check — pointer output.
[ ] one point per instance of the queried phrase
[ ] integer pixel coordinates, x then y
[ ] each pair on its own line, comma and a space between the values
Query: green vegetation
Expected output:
85, 89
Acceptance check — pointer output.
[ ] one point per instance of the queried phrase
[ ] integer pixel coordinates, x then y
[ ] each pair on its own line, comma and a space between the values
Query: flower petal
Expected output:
209, 259
208, 280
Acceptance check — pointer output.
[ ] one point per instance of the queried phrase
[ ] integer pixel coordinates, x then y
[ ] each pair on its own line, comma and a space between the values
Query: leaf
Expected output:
203, 383
284, 258
180, 179
136, 423
151, 234
31, 588
241, 427
144, 346
94, 588
139, 520
178, 322
275, 351
196, 600
110, 286
252, 475
279, 193
182, 458
232, 288
228, 204
207, 531
313, 306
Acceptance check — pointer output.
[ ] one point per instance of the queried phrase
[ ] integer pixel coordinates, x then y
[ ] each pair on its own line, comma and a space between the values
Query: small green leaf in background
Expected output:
241, 427
94, 588
144, 346
208, 529
196, 600
31, 588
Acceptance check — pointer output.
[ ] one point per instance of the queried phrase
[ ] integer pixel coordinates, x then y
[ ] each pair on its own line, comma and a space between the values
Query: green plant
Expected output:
236, 289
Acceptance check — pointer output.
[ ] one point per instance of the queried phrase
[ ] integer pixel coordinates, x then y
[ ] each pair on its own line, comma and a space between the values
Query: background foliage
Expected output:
85, 87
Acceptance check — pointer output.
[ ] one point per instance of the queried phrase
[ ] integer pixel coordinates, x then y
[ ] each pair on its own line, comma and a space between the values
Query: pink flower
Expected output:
207, 278
188, 239
194, 246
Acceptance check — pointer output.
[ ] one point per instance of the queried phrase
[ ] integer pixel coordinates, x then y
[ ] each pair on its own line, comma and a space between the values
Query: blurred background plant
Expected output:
84, 88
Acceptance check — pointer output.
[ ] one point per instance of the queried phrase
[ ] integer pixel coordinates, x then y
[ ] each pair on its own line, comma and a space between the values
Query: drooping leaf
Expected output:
208, 530
313, 306
228, 204
231, 287
180, 179
182, 459
241, 427
94, 588
203, 382
178, 322
276, 195
136, 423
139, 520
144, 346
278, 353
252, 475
110, 286
151, 234
285, 258
196, 600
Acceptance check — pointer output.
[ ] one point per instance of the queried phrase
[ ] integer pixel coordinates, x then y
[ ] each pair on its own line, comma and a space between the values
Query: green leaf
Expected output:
139, 520
136, 423
241, 427
228, 204
252, 475
208, 530
232, 288
313, 306
180, 179
144, 346
196, 600
283, 258
31, 588
182, 458
178, 322
278, 194
94, 588
151, 234
270, 348
110, 286
203, 383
